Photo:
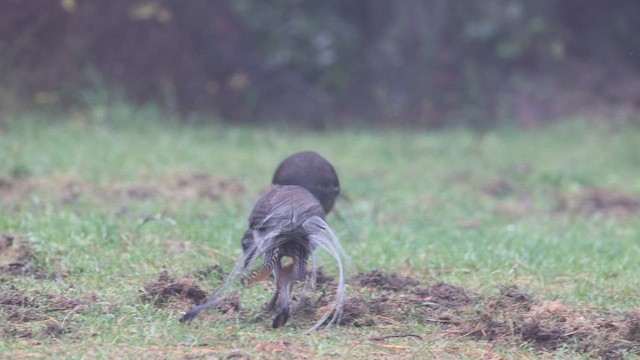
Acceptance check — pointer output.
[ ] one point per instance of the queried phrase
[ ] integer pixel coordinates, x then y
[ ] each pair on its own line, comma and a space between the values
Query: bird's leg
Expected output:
277, 275
284, 289
295, 271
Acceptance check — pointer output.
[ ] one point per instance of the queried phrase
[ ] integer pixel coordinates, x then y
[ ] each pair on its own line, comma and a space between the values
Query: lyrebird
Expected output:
288, 222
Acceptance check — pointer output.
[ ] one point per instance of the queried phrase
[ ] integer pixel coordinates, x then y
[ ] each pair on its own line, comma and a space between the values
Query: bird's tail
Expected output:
322, 237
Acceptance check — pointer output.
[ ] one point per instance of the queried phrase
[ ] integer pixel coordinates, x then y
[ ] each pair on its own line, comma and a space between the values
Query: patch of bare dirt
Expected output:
513, 318
180, 294
6, 242
24, 313
395, 307
165, 288
204, 185
593, 201
514, 201
499, 188
509, 318
179, 188
360, 311
54, 329
381, 280
19, 258
442, 295
67, 189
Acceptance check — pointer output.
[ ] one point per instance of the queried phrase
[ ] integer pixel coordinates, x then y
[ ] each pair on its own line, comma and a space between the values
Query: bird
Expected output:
313, 172
288, 221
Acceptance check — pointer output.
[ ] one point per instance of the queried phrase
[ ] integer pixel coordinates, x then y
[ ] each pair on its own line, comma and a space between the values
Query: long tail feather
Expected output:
322, 237
271, 231
239, 274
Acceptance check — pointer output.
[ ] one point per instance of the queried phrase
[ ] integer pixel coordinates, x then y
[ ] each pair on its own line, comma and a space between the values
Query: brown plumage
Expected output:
277, 223
309, 170
287, 221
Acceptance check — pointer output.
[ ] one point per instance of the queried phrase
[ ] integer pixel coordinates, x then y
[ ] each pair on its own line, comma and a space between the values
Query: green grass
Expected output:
415, 205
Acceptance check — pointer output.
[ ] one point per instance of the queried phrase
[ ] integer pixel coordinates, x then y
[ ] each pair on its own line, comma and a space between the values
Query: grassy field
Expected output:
504, 244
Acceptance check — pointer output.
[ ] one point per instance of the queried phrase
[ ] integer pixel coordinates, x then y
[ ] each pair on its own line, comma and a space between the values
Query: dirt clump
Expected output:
592, 201
141, 192
18, 307
499, 188
549, 324
632, 327
178, 188
442, 295
65, 189
19, 258
11, 331
180, 294
361, 311
379, 279
379, 297
165, 288
617, 337
24, 312
511, 317
514, 317
54, 329
6, 242
5, 183
482, 318
356, 312
512, 292
626, 343
385, 303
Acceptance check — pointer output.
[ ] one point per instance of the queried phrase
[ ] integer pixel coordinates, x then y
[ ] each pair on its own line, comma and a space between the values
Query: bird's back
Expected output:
286, 207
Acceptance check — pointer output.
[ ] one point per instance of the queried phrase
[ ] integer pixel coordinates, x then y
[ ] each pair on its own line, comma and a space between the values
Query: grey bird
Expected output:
311, 171
288, 221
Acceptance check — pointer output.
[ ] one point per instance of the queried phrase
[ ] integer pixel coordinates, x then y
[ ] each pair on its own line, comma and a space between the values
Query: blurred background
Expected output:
325, 64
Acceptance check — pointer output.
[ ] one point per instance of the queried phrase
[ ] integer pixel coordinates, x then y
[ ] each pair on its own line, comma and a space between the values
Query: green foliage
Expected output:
413, 62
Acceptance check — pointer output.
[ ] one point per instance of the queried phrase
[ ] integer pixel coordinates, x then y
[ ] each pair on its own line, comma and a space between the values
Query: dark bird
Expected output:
288, 222
311, 171
314, 173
